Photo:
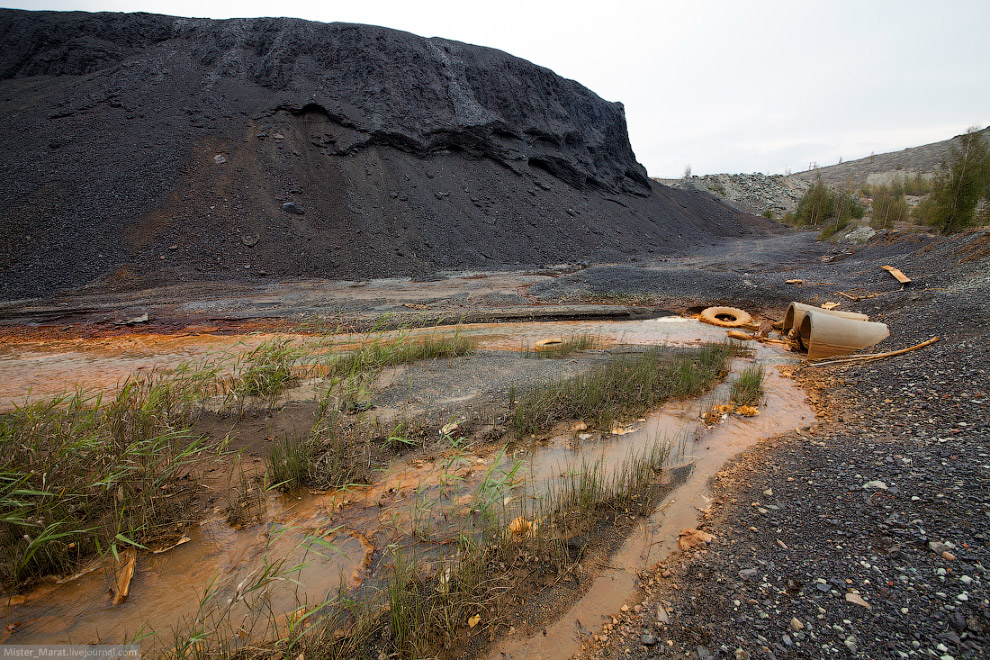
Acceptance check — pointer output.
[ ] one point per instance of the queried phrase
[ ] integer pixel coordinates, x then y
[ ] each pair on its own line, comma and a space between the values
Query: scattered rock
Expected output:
689, 539
858, 236
137, 320
292, 207
856, 599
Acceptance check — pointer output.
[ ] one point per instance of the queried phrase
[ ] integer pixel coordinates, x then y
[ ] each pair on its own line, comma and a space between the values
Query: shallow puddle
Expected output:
705, 452
332, 540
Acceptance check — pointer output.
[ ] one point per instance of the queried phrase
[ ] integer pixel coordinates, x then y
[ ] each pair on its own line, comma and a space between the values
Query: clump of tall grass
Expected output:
290, 461
379, 353
81, 474
628, 386
332, 455
747, 388
266, 370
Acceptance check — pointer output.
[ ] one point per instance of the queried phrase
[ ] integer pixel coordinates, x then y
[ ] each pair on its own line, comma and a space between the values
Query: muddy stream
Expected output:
337, 540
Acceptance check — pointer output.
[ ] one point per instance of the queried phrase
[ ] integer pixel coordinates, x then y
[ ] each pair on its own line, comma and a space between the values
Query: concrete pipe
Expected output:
826, 335
725, 317
796, 311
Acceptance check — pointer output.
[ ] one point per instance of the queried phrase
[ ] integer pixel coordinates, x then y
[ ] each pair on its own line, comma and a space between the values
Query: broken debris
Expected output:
689, 539
897, 274
123, 574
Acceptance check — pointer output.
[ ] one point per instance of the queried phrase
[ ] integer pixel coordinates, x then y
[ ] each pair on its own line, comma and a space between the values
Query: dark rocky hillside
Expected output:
141, 148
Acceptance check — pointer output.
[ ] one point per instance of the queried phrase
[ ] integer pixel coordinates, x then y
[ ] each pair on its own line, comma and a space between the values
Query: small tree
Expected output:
959, 185
889, 206
820, 204
815, 205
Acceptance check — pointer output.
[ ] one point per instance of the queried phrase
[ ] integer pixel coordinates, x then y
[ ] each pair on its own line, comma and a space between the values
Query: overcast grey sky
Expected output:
730, 86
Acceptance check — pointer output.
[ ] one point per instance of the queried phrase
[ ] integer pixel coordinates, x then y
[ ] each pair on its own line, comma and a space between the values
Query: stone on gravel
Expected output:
937, 547
689, 539
648, 640
292, 207
748, 573
856, 599
796, 624
858, 236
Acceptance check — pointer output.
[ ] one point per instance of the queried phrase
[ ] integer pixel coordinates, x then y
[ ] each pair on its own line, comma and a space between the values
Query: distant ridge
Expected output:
880, 168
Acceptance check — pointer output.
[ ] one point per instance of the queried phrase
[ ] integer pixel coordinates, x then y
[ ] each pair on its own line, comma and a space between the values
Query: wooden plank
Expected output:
898, 275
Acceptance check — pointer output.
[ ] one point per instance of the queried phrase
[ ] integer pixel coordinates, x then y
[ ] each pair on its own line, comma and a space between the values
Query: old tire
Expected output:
725, 317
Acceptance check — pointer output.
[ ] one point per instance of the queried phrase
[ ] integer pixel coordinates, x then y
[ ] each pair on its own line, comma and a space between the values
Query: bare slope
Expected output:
880, 168
142, 148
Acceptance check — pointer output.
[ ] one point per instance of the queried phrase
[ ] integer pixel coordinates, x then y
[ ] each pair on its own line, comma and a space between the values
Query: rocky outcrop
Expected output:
142, 147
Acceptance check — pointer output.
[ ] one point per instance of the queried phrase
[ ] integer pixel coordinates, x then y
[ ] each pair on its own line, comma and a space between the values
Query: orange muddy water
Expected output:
334, 540
36, 369
786, 409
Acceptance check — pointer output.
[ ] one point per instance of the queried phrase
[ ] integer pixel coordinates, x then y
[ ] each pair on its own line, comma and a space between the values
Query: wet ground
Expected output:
419, 503
931, 403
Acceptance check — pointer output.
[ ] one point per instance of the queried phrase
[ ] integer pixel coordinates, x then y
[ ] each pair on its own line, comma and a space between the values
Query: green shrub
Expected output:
958, 186
916, 185
889, 206
820, 204
832, 229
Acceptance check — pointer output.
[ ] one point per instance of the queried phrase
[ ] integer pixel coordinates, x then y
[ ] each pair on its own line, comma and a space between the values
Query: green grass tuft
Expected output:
81, 475
628, 386
747, 388
266, 371
566, 346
